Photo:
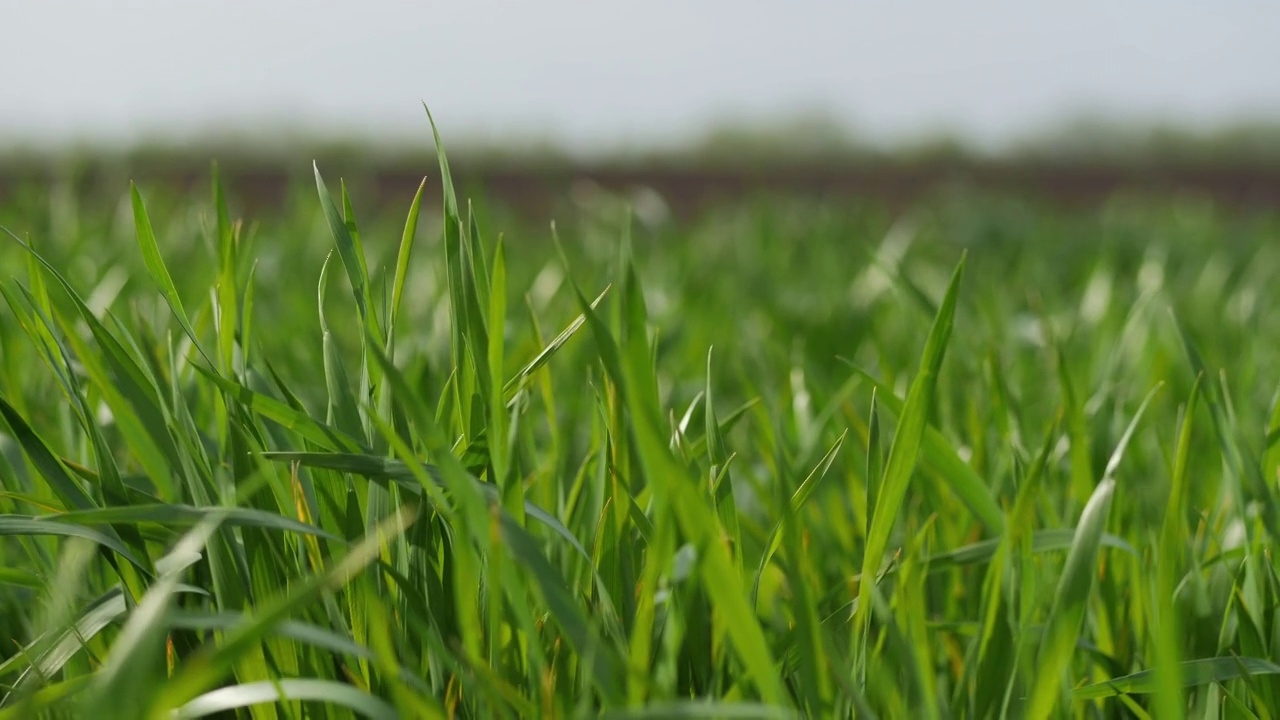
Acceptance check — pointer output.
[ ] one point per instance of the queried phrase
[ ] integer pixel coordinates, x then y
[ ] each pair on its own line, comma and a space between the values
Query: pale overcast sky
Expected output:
594, 73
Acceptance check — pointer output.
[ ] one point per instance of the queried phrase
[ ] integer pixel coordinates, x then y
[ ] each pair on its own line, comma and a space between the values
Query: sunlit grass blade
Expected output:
189, 515
875, 464
940, 456
46, 655
904, 450
40, 328
156, 267
342, 411
545, 355
333, 694
31, 525
310, 635
468, 330
1082, 478
135, 653
993, 677
278, 412
720, 480
1246, 479
119, 375
696, 710
403, 257
1042, 541
722, 583
798, 499
1075, 587
226, 289
371, 466
499, 420
1194, 673
210, 665
54, 472
351, 251
1170, 565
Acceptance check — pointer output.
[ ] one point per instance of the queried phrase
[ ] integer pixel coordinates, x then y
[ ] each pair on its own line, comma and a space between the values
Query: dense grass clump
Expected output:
983, 460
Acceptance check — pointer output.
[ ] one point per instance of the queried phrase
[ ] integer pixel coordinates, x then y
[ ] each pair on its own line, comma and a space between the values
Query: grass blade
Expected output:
156, 267
904, 450
1193, 672
287, 690
1075, 587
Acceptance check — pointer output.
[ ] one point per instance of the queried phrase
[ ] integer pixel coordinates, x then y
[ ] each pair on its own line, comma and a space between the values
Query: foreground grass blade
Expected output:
1075, 587
1194, 673
352, 253
1074, 590
45, 656
939, 456
606, 674
693, 710
30, 526
722, 583
376, 467
208, 667
276, 411
228, 310
311, 635
1171, 562
407, 238
156, 267
798, 499
54, 472
1247, 483
905, 448
122, 686
287, 690
183, 515
549, 351
1041, 541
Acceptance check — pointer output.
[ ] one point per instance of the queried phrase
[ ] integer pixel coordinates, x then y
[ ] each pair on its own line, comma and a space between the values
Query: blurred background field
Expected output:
699, 104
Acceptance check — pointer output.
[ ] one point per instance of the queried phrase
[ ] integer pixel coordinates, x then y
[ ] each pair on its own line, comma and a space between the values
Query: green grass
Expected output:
987, 459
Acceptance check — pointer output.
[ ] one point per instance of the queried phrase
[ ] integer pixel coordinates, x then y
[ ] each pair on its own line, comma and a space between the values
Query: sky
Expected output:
604, 74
